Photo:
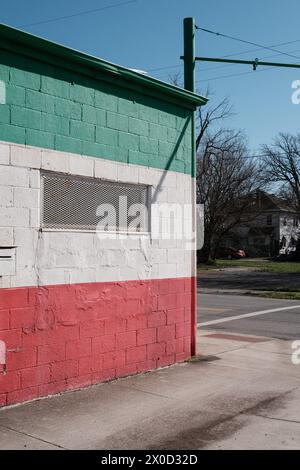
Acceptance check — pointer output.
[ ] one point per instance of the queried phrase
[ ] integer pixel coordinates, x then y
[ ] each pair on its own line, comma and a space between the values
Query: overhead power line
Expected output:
81, 13
249, 51
247, 42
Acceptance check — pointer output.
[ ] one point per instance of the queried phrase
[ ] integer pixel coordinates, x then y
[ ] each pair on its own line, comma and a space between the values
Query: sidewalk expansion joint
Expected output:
272, 418
32, 436
144, 391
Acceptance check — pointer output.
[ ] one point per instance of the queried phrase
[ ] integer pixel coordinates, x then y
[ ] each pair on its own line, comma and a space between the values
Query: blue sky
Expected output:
147, 34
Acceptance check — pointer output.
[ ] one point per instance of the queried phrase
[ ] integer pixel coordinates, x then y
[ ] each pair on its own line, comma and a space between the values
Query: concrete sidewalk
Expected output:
243, 393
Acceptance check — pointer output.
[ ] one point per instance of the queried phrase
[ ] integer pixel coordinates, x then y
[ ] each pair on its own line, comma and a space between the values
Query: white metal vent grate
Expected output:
79, 203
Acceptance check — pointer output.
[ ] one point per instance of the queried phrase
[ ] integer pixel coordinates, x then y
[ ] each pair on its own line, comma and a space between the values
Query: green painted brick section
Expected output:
147, 113
39, 101
25, 79
4, 73
93, 115
148, 145
82, 94
55, 87
118, 122
55, 124
4, 114
166, 149
172, 135
106, 101
82, 130
136, 126
167, 119
158, 132
188, 141
26, 117
119, 154
12, 133
40, 138
128, 141
180, 166
94, 149
68, 144
129, 108
137, 158
59, 109
107, 136
67, 108
15, 95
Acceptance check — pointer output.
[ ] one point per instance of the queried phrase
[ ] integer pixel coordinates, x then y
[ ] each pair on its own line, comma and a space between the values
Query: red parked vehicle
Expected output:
231, 253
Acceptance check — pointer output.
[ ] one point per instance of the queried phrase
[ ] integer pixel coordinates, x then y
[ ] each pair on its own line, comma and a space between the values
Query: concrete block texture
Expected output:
76, 256
65, 111
70, 336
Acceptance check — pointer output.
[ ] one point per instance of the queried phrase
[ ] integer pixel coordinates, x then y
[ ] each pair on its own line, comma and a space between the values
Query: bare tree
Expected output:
282, 165
226, 179
212, 115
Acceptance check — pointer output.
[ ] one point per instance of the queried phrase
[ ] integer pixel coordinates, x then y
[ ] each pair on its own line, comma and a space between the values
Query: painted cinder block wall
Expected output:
76, 309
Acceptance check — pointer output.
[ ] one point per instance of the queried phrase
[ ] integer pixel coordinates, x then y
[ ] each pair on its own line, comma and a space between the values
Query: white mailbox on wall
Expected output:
7, 260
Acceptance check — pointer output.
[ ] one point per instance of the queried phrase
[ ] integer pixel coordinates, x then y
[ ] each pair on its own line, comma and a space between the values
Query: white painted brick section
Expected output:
29, 157
83, 166
55, 161
6, 196
26, 197
61, 257
34, 179
14, 176
14, 217
6, 236
106, 170
4, 154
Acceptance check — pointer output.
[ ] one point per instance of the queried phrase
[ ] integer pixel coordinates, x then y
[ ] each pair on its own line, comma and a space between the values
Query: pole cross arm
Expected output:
255, 63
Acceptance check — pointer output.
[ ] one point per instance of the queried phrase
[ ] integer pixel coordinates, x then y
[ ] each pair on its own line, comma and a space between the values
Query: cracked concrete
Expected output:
245, 395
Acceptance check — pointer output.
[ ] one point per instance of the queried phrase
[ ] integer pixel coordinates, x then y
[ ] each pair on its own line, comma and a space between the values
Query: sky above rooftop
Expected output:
147, 35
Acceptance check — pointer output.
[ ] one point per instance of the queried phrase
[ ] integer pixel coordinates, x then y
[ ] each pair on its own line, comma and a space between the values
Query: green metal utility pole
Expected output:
189, 30
189, 53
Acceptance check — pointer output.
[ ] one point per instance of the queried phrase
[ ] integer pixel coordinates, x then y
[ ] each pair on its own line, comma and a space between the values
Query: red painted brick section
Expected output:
51, 353
134, 355
35, 376
78, 348
64, 370
12, 338
183, 329
21, 359
175, 316
4, 319
156, 351
10, 381
95, 332
25, 394
3, 398
104, 344
165, 333
126, 340
157, 319
147, 336
22, 317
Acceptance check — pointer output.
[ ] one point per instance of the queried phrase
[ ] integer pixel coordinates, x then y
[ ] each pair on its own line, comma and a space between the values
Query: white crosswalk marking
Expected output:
247, 315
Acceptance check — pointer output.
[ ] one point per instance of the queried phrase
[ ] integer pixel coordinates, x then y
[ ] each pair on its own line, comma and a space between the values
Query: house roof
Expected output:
270, 202
43, 50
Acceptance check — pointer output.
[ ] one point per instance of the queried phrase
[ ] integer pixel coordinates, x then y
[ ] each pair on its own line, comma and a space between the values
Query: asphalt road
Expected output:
284, 324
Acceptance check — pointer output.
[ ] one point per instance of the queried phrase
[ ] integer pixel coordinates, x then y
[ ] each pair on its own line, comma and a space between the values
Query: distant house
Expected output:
272, 228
